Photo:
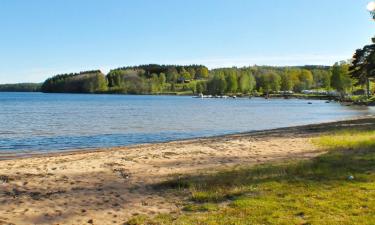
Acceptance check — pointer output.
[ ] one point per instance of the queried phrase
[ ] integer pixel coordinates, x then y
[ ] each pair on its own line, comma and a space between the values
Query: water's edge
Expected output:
299, 128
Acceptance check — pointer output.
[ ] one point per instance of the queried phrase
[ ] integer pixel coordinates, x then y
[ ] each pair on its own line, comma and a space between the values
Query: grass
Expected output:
335, 188
362, 99
348, 139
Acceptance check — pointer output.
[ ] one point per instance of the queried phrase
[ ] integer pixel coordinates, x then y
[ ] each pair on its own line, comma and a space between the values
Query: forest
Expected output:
84, 82
20, 87
196, 79
353, 76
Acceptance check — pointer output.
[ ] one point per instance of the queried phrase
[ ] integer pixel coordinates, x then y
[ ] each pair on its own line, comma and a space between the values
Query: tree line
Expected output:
20, 87
84, 82
353, 76
155, 79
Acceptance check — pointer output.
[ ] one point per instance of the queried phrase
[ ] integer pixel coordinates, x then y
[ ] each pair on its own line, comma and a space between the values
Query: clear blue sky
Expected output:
40, 38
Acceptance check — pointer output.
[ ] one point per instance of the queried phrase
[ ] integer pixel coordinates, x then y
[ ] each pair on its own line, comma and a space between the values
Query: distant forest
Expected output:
196, 79
355, 76
21, 87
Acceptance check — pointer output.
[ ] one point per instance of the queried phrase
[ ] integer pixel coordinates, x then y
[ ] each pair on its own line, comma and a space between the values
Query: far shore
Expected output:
109, 186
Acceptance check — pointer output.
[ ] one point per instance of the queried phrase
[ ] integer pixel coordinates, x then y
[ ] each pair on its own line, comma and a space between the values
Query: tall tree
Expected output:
270, 82
185, 74
192, 72
244, 82
217, 85
202, 73
162, 78
287, 83
172, 75
362, 68
231, 78
306, 79
340, 79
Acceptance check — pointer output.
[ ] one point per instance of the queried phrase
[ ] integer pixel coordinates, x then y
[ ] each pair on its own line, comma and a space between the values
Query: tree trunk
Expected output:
368, 87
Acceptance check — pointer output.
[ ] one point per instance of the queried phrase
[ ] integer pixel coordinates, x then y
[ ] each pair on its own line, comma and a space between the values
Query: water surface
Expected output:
37, 122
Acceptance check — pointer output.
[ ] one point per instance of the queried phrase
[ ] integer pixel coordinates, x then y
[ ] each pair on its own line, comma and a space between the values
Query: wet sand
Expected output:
108, 186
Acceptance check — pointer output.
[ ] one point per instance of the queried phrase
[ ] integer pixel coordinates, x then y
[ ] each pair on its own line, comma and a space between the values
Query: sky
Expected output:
41, 38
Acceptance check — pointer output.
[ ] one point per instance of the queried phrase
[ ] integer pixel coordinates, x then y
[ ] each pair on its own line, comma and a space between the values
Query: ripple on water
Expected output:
37, 122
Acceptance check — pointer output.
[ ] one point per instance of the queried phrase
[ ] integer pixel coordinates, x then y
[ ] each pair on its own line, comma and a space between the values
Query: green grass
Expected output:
362, 99
317, 191
348, 139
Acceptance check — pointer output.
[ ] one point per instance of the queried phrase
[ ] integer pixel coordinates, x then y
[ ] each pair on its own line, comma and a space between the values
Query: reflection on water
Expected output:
32, 122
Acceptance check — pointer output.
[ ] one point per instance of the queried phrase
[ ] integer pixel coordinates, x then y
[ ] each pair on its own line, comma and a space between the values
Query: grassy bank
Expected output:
337, 187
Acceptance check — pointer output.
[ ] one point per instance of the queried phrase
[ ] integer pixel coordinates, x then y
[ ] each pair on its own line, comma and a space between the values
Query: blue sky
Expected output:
40, 38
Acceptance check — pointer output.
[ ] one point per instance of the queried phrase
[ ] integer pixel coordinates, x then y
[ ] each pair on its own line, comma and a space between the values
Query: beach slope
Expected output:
109, 186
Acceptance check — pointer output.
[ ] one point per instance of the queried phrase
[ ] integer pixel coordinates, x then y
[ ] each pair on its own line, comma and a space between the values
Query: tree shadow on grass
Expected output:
336, 166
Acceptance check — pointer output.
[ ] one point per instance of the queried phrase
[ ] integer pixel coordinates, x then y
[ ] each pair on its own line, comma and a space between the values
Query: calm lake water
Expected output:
36, 122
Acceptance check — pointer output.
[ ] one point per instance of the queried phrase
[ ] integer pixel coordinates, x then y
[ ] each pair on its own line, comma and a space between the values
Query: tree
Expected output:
286, 82
155, 83
340, 79
231, 80
200, 87
305, 79
201, 73
275, 81
115, 78
172, 75
162, 78
192, 72
21, 87
362, 68
83, 82
326, 80
246, 82
100, 83
252, 82
193, 87
185, 74
292, 81
322, 78
270, 82
217, 85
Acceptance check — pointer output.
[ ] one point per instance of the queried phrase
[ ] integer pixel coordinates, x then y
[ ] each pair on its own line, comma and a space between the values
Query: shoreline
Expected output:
54, 153
114, 185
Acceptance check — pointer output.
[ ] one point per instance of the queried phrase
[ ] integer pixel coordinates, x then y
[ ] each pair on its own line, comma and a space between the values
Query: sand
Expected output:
108, 186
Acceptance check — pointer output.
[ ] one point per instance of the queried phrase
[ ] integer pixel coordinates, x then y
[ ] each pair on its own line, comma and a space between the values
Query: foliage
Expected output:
202, 73
83, 82
270, 82
305, 80
172, 79
218, 84
21, 87
231, 80
322, 78
340, 79
246, 82
362, 67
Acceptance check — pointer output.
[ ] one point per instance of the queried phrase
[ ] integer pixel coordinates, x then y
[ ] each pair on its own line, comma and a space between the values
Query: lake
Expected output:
37, 122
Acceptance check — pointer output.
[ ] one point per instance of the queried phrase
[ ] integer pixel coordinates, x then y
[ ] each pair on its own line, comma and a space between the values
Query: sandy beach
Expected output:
108, 186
